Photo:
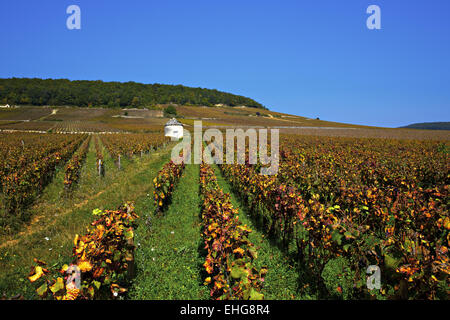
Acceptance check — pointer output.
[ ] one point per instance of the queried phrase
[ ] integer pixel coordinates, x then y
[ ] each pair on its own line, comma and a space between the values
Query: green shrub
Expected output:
170, 111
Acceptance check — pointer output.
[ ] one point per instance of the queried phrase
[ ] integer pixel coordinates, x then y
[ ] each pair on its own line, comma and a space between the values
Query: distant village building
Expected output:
6, 106
173, 129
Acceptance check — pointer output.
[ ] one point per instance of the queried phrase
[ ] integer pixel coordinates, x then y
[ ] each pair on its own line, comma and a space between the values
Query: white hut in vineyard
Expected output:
173, 129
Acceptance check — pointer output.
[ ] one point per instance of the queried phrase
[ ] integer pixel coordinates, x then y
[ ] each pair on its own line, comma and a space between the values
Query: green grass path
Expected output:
168, 260
281, 281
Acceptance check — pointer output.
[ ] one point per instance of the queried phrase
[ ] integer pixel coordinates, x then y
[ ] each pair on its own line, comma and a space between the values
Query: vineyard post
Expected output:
131, 272
119, 161
99, 167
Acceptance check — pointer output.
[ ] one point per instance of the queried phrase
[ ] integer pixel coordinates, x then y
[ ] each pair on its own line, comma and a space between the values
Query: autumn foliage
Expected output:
164, 184
381, 202
132, 143
100, 260
73, 167
28, 166
230, 255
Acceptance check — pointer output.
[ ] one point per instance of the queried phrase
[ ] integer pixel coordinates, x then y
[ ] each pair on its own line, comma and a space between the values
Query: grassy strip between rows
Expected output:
57, 218
282, 279
169, 256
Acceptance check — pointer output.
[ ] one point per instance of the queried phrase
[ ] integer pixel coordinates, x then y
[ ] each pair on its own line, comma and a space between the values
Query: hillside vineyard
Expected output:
109, 215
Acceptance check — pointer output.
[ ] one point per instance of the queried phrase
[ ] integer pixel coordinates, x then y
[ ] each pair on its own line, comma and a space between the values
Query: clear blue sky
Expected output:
310, 58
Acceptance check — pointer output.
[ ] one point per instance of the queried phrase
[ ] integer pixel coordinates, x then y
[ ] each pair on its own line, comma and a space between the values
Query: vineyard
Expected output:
132, 144
27, 164
350, 204
110, 216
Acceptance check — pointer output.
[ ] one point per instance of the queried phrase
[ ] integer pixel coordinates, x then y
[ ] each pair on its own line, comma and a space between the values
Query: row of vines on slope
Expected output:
99, 156
73, 167
164, 184
230, 255
102, 260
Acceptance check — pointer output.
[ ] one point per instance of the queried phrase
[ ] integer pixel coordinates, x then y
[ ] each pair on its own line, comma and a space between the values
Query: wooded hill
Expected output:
63, 92
429, 126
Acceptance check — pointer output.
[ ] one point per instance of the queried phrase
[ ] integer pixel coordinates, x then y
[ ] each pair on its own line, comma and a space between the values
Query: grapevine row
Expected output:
99, 153
100, 260
73, 167
230, 255
164, 184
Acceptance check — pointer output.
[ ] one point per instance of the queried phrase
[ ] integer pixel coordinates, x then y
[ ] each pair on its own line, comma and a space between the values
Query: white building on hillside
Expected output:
7, 106
173, 129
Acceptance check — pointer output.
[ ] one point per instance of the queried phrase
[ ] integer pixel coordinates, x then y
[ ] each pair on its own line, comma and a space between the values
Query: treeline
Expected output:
63, 92
429, 126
